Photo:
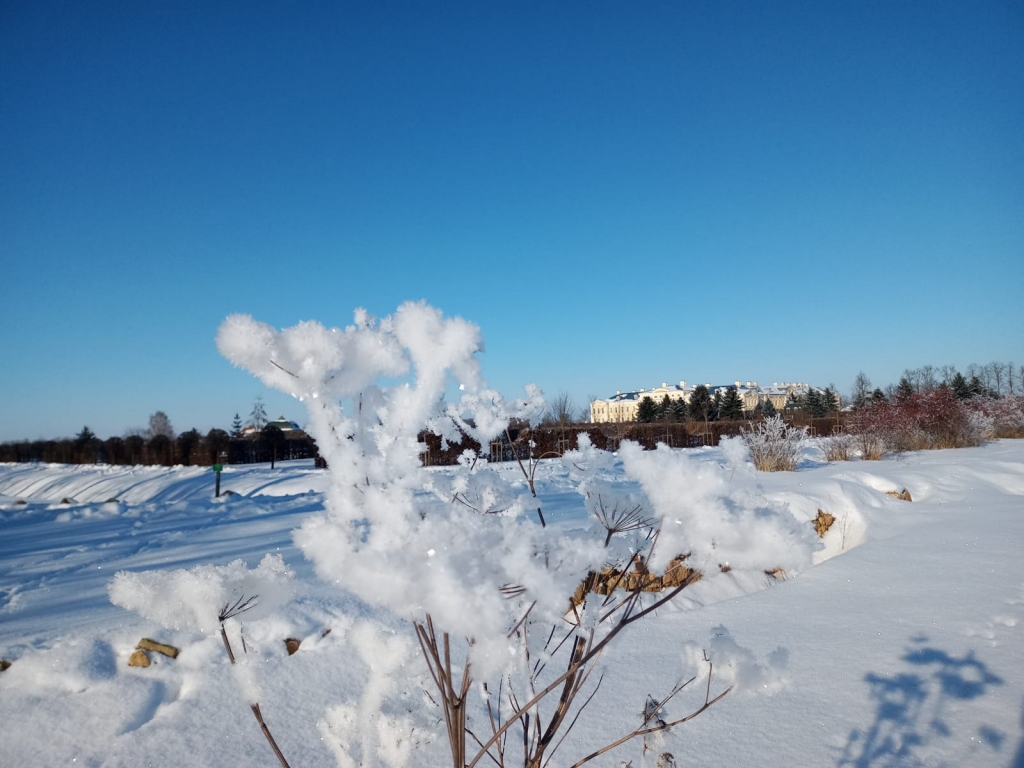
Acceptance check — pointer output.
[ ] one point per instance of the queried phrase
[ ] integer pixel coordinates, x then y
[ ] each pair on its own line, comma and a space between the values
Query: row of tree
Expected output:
992, 381
728, 405
159, 445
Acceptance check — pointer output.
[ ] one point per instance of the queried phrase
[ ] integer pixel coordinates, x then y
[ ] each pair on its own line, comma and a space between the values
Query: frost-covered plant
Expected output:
838, 447
486, 586
207, 598
774, 446
1006, 414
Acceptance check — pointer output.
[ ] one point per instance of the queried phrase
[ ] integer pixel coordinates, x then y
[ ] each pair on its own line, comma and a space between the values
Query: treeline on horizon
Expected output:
823, 411
159, 445
190, 448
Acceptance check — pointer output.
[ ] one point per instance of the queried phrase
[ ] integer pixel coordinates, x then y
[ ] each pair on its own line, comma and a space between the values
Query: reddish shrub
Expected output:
926, 420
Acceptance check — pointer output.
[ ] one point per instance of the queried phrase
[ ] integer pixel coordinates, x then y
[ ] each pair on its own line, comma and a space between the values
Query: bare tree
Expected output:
997, 373
861, 390
927, 378
561, 410
913, 375
159, 424
258, 416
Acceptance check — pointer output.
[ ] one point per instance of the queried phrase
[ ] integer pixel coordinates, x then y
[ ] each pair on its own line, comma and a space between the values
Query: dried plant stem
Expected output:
255, 707
655, 729
591, 652
452, 704
227, 643
531, 473
270, 738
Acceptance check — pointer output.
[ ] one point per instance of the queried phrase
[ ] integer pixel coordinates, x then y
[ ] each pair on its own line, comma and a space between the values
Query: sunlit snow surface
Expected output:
905, 650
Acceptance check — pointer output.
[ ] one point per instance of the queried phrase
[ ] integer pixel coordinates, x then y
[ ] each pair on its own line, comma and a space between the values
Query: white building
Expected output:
622, 406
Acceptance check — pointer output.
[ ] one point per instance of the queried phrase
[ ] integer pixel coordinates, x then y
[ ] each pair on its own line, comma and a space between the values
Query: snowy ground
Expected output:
903, 645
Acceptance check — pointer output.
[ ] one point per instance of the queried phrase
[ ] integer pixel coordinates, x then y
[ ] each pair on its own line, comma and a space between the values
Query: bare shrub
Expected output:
774, 446
838, 447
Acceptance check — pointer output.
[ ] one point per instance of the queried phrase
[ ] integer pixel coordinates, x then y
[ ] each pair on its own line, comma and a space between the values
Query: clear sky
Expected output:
619, 194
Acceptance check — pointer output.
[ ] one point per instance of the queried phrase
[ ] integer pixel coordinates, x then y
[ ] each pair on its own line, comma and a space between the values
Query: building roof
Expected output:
283, 424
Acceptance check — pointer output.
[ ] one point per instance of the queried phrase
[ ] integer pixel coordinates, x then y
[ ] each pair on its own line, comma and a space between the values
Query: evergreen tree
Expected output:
647, 410
976, 388
766, 408
961, 389
814, 403
85, 439
680, 409
665, 409
716, 406
878, 396
904, 390
86, 446
830, 400
732, 405
236, 426
700, 406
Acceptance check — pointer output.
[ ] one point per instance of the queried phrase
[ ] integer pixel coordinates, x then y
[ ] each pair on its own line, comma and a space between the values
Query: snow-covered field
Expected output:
902, 645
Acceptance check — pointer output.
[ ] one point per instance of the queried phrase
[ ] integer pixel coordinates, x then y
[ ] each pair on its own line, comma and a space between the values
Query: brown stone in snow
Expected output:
291, 644
146, 644
139, 659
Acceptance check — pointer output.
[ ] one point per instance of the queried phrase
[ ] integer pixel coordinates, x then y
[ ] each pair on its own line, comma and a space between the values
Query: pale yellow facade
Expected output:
623, 406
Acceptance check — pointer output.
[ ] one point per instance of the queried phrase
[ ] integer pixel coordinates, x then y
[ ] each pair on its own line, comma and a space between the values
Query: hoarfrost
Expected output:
192, 599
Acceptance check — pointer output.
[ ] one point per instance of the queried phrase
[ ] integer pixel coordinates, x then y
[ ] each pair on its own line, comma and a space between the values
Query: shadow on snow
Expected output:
912, 708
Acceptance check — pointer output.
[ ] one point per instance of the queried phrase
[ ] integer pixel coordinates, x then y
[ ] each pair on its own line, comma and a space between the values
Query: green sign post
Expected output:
218, 468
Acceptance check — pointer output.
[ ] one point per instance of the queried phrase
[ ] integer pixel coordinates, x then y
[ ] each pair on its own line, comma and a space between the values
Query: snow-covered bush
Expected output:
774, 446
1006, 414
838, 447
485, 584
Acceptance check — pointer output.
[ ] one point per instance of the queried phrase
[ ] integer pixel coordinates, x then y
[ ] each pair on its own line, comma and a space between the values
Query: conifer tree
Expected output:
732, 405
904, 390
878, 396
647, 410
961, 389
680, 409
665, 408
830, 401
814, 403
700, 404
85, 438
236, 426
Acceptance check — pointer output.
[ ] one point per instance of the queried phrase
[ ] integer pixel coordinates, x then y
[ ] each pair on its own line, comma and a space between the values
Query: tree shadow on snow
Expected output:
911, 708
1018, 758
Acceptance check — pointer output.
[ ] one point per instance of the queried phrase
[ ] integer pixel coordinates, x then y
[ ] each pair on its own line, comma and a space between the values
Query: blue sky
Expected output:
619, 194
